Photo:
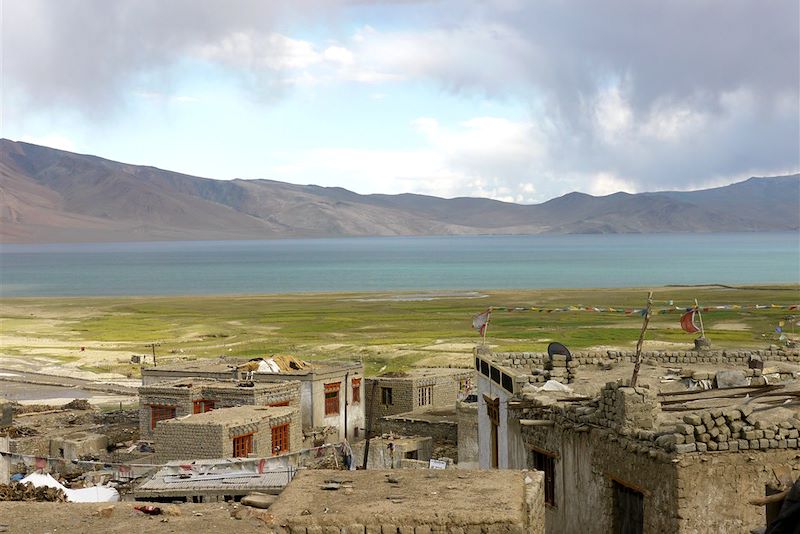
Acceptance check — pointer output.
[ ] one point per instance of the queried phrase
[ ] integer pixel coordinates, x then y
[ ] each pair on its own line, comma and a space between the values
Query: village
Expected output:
701, 440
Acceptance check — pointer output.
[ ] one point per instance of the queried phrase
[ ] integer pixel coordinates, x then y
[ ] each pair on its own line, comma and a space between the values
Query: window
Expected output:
332, 398
386, 396
280, 439
628, 509
160, 413
202, 406
356, 385
546, 462
242, 445
424, 395
412, 455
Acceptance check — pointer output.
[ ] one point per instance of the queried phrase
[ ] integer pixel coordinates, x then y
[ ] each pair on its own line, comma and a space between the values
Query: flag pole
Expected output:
639, 343
486, 327
700, 316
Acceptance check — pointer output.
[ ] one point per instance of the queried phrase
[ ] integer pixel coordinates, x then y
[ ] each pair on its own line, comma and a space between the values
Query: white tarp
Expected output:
92, 494
552, 385
268, 366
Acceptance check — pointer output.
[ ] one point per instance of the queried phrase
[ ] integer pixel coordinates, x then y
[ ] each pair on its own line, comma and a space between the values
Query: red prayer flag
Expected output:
687, 322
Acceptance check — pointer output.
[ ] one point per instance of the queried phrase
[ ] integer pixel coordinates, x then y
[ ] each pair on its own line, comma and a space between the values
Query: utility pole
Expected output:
153, 349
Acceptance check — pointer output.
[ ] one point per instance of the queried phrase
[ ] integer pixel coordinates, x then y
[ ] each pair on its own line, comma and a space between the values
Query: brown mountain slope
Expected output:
49, 195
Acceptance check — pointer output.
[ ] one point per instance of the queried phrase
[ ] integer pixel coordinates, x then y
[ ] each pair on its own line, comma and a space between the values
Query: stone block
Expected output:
686, 447
701, 447
692, 419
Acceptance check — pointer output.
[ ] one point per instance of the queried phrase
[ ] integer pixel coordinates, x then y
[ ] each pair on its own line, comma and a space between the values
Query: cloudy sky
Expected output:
514, 100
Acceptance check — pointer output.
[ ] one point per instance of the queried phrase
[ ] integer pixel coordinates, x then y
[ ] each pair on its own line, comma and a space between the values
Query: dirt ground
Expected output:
52, 518
403, 497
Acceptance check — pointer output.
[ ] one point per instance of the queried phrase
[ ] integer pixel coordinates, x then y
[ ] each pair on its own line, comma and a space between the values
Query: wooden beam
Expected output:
536, 422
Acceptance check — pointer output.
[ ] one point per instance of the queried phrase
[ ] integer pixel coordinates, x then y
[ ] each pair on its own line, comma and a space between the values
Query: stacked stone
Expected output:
531, 360
733, 430
562, 370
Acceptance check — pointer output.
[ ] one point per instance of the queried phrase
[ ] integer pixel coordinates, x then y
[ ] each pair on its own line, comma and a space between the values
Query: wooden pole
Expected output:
700, 316
639, 343
486, 327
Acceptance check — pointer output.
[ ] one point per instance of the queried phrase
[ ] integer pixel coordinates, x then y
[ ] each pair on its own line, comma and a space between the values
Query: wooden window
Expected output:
628, 509
386, 396
160, 413
547, 463
356, 385
280, 439
332, 398
202, 406
242, 445
424, 395
277, 404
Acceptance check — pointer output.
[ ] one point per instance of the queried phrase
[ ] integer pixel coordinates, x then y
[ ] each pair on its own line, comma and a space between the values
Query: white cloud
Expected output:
59, 141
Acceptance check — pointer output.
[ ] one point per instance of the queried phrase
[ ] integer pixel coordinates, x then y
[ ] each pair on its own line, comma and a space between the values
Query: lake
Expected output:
397, 263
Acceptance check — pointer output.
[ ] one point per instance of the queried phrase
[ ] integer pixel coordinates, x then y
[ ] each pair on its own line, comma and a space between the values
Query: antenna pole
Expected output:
639, 343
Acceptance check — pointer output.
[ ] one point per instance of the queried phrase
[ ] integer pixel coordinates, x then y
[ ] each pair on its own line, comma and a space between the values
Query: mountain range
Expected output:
49, 195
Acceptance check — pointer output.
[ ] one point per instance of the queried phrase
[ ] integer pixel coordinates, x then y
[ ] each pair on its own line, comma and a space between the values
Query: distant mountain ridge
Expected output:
49, 195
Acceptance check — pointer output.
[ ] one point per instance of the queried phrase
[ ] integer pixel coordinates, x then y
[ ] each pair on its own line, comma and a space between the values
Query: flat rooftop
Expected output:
425, 372
229, 365
209, 383
235, 415
403, 497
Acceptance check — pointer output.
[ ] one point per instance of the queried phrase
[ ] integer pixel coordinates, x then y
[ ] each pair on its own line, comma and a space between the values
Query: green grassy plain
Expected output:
383, 330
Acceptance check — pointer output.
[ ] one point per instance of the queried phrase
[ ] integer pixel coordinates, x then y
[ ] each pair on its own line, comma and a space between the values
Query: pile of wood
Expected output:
27, 492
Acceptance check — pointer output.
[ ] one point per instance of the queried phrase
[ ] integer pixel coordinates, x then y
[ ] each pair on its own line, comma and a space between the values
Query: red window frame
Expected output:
203, 406
280, 439
160, 412
242, 445
332, 398
356, 385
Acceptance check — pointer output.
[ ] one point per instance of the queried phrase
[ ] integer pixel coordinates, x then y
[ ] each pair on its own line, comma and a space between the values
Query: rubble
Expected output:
28, 492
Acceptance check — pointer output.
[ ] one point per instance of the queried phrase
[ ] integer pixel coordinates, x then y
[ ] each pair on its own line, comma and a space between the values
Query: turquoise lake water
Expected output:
397, 263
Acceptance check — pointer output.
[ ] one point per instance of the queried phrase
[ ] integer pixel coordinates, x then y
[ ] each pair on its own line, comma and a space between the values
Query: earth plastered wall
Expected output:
467, 435
713, 489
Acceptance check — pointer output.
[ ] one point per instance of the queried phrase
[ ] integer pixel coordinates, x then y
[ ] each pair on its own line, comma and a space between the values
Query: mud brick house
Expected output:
331, 393
417, 389
640, 459
178, 398
238, 432
410, 501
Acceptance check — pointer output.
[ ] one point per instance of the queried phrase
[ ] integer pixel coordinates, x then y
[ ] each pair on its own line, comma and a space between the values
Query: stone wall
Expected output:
186, 441
529, 360
408, 425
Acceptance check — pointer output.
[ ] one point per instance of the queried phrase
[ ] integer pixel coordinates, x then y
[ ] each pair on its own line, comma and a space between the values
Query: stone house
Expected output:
640, 459
237, 432
178, 398
331, 393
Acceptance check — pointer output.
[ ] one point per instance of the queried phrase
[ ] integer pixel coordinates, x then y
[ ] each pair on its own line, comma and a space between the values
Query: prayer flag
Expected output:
480, 321
687, 321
